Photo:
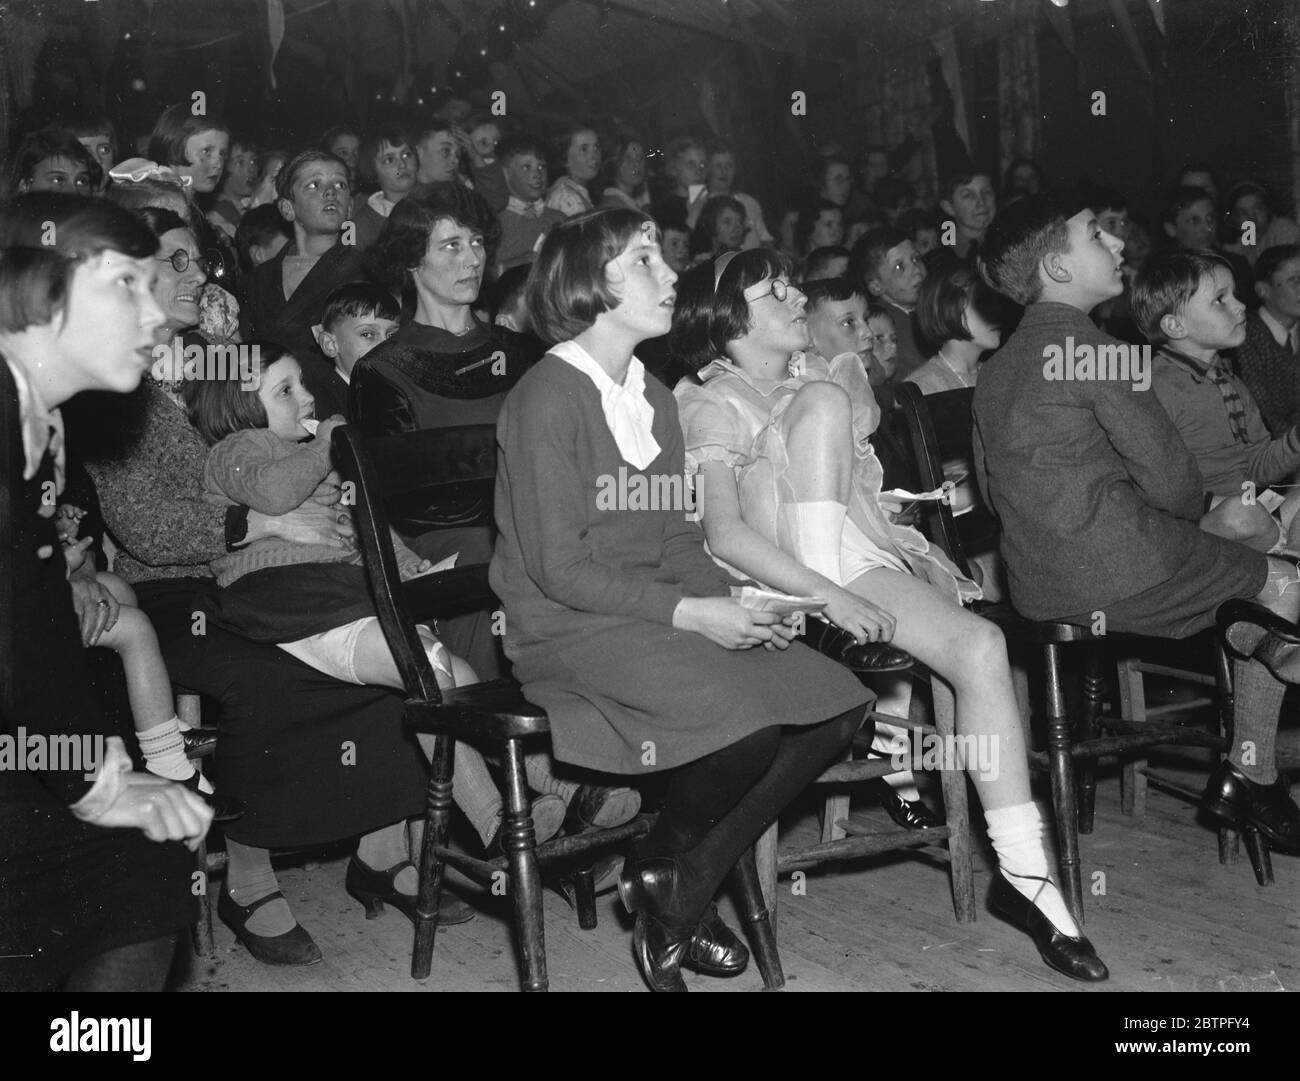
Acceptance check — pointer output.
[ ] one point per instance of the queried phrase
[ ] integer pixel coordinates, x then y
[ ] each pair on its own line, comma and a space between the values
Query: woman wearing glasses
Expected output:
788, 491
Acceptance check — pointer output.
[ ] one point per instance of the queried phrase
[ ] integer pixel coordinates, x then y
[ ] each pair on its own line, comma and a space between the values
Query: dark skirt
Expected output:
70, 890
312, 759
632, 697
1185, 604
284, 604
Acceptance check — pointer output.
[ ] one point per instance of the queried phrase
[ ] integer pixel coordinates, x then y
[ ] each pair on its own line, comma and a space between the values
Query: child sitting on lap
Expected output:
1183, 302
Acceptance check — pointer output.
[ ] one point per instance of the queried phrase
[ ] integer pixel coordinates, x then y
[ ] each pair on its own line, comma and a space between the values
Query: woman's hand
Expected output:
162, 809
730, 625
311, 523
859, 617
95, 606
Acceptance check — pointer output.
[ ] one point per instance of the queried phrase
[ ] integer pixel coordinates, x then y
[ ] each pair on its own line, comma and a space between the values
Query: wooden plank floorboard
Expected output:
1172, 918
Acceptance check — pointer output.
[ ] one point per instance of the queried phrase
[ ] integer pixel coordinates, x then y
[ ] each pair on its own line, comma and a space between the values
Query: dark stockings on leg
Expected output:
718, 806
142, 966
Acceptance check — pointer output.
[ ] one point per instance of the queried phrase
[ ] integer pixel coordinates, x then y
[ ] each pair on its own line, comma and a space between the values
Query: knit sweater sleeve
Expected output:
268, 474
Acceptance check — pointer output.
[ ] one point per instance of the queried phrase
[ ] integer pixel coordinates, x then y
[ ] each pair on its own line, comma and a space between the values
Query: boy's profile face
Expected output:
899, 275
1214, 318
1193, 225
353, 336
884, 343
1281, 293
840, 326
1088, 272
1114, 222
973, 204
525, 176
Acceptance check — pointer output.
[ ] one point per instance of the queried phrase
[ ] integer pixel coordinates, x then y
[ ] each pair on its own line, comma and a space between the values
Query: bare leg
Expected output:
148, 685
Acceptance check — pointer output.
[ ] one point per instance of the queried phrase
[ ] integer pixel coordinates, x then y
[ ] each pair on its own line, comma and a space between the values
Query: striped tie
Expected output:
1217, 373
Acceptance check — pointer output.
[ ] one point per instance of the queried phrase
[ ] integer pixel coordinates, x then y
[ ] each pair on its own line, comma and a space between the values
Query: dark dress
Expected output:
589, 594
69, 890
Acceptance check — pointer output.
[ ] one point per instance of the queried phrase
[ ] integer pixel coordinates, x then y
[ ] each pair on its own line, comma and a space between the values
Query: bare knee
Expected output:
980, 650
820, 403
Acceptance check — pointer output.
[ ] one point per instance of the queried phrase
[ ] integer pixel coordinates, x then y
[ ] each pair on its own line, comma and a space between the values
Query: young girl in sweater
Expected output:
311, 601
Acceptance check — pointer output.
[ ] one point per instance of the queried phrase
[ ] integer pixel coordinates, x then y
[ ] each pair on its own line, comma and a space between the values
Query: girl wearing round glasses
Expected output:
788, 492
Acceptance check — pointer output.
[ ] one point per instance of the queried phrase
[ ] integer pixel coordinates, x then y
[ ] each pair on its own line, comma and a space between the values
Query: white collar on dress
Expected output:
629, 417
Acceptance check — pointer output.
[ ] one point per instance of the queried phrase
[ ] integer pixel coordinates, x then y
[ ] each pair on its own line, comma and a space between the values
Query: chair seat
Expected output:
1041, 632
496, 711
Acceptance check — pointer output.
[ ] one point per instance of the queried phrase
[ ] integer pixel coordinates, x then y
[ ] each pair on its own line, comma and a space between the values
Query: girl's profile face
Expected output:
777, 325
452, 269
205, 155
643, 283
583, 159
286, 401
109, 322
395, 169
177, 291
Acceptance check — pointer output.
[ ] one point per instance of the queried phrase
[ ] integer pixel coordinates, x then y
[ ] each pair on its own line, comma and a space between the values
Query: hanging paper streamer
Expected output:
275, 30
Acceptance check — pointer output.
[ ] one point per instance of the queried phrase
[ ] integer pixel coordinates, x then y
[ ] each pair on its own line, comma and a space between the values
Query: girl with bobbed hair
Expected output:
623, 179
195, 146
788, 490
617, 621
576, 152
96, 884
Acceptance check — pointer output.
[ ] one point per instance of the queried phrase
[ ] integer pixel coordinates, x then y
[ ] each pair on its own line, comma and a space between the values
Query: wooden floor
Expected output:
1164, 915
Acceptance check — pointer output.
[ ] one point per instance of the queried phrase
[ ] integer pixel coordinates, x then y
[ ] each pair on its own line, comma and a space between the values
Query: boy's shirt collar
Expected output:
1281, 335
895, 304
1198, 369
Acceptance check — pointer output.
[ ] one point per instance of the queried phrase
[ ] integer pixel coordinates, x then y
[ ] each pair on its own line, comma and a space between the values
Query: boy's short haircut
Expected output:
508, 288
819, 259
941, 304
1166, 283
1271, 259
258, 227
1181, 198
1101, 200
1018, 240
953, 181
516, 146
375, 140
288, 176
870, 251
876, 310
821, 291
675, 223
355, 300
567, 289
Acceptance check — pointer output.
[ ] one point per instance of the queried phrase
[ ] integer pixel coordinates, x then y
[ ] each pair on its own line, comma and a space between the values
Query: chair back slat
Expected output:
356, 466
440, 478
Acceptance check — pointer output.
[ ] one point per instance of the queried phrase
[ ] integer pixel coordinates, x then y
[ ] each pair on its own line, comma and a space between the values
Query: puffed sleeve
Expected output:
713, 428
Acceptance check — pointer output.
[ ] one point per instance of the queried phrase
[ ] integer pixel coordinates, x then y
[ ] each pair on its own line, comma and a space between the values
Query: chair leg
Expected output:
1132, 707
584, 897
1058, 753
754, 912
436, 823
765, 858
956, 810
201, 932
1229, 839
520, 843
1094, 690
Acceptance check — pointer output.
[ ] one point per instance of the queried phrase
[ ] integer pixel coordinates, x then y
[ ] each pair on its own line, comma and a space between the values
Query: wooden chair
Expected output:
428, 468
940, 429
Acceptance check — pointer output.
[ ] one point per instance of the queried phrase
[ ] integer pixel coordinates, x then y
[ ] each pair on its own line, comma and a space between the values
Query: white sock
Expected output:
816, 530
164, 753
1018, 837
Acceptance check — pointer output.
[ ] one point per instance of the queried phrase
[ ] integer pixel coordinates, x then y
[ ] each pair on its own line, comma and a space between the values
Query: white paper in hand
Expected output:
783, 604
310, 425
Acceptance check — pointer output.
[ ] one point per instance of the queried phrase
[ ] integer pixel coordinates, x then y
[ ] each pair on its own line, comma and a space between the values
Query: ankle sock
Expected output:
816, 530
1018, 837
249, 878
1257, 702
164, 753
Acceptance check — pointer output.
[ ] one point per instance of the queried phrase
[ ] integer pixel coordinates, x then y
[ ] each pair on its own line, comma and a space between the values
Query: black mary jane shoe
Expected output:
1279, 633
372, 888
909, 814
839, 645
294, 947
199, 742
224, 808
714, 949
1268, 808
646, 887
1073, 957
